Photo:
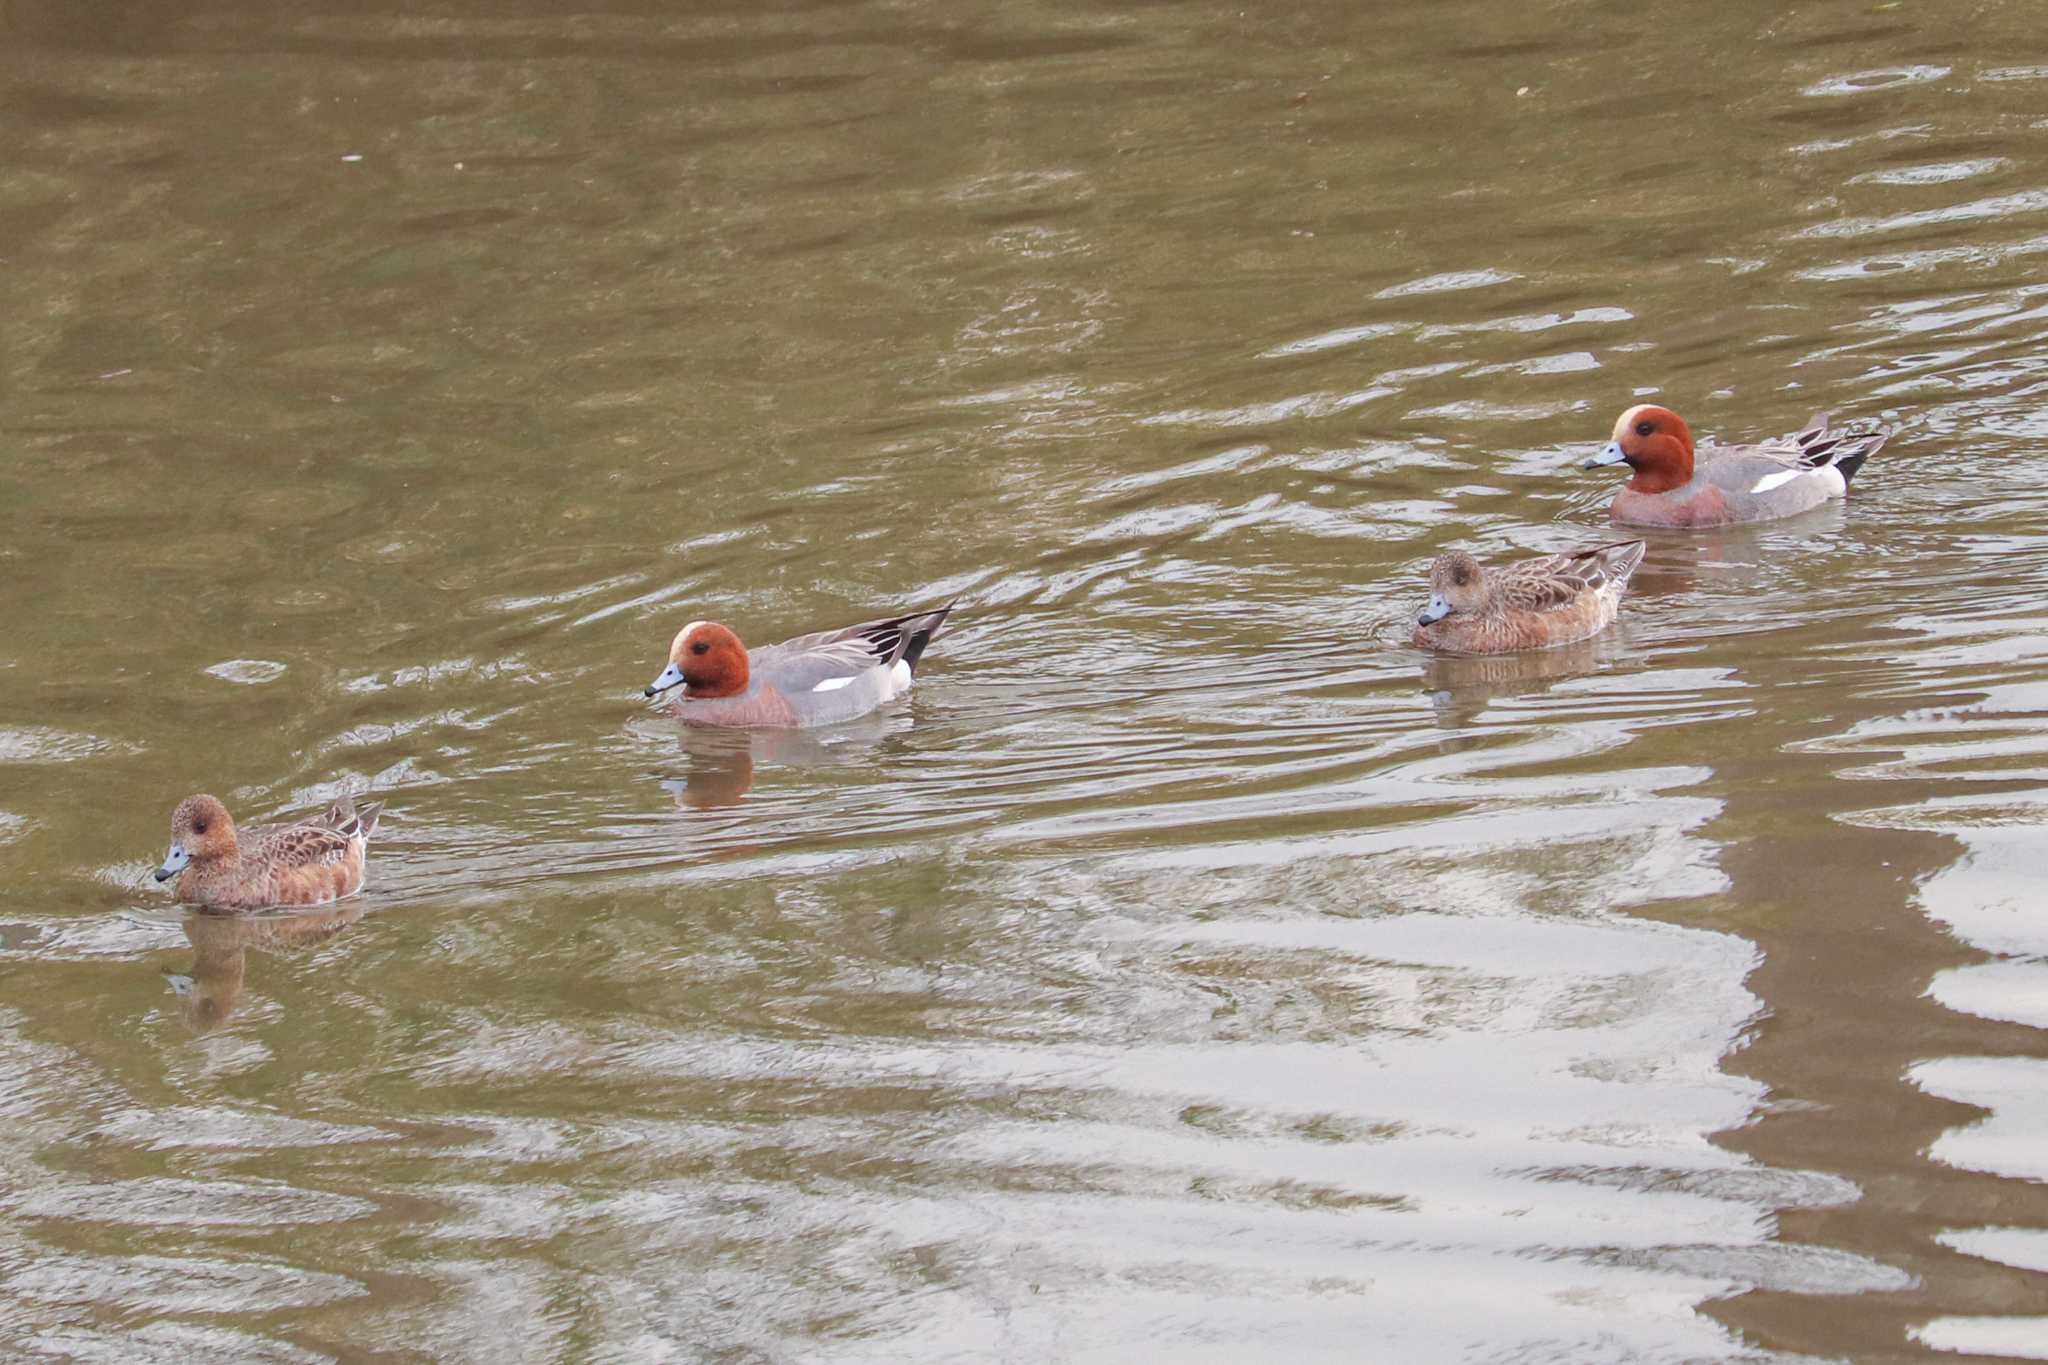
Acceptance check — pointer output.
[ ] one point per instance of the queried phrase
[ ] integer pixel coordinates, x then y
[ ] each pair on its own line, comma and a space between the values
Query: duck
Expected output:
1728, 484
1530, 604
817, 679
265, 867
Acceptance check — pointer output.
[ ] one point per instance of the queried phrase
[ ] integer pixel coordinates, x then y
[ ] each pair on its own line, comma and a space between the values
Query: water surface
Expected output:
1190, 970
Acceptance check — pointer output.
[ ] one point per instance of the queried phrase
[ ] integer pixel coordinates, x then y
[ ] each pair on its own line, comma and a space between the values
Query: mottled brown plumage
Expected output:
1533, 604
309, 863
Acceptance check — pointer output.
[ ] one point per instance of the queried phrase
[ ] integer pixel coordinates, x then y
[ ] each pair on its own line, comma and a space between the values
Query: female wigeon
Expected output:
1533, 604
1728, 483
819, 679
309, 863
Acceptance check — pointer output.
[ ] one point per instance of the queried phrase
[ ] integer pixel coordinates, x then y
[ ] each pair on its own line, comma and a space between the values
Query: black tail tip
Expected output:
1849, 464
925, 633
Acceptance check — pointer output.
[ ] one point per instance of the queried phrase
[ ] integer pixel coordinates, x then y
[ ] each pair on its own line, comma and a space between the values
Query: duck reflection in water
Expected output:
722, 762
1460, 685
220, 943
1750, 557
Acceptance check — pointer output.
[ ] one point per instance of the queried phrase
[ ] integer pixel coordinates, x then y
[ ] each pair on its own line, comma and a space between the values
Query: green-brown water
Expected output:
1190, 970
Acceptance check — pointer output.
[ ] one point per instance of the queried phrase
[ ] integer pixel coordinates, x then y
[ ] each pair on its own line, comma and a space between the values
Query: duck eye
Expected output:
1644, 428
199, 827
700, 648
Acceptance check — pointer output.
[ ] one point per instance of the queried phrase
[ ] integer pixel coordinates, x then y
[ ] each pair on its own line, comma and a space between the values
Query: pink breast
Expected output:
1705, 508
767, 708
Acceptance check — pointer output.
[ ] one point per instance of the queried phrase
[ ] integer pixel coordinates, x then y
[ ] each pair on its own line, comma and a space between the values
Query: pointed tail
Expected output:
1853, 460
1613, 562
1821, 445
921, 632
1626, 557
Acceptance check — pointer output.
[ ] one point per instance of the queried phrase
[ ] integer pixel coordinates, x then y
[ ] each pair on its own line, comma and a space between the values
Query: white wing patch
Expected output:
1770, 481
832, 684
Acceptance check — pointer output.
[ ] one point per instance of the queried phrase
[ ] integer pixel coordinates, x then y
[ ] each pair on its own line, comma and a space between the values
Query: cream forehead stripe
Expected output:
1628, 419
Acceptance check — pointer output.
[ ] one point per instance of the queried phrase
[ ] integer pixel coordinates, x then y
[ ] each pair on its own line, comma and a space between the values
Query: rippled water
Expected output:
1190, 970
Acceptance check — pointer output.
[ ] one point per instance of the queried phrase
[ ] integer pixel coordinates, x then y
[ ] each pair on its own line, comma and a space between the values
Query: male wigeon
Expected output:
819, 679
1532, 604
1727, 484
309, 863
